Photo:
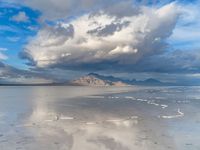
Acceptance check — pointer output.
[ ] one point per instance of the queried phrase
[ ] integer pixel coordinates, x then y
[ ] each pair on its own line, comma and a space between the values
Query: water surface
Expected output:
99, 118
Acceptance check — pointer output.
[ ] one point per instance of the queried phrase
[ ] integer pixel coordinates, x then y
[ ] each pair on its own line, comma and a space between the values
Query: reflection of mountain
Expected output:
94, 79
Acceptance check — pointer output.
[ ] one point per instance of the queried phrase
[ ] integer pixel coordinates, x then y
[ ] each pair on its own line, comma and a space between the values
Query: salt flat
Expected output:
99, 118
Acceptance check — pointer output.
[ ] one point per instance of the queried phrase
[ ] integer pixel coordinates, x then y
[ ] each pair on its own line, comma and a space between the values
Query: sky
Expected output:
57, 40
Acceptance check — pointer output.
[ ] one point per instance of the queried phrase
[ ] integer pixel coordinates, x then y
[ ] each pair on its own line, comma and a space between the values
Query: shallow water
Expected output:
99, 118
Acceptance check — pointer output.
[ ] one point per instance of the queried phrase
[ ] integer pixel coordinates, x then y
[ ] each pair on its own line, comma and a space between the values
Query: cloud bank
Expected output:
101, 40
12, 75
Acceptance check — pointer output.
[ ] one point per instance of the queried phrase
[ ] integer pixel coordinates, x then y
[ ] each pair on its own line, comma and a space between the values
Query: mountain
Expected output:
149, 81
94, 79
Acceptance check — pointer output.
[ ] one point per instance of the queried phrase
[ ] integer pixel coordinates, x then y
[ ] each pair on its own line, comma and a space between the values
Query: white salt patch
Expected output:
148, 101
95, 97
142, 100
139, 99
163, 106
127, 123
114, 120
180, 114
111, 97
183, 101
154, 104
91, 123
129, 97
55, 118
134, 117
66, 118
168, 117
159, 97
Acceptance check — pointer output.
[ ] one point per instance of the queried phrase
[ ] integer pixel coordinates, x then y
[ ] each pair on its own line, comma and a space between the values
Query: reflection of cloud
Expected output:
85, 136
42, 114
70, 133
55, 125
101, 134
123, 122
105, 136
109, 143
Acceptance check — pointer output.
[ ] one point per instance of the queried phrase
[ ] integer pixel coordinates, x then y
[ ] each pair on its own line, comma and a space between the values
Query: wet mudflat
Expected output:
99, 118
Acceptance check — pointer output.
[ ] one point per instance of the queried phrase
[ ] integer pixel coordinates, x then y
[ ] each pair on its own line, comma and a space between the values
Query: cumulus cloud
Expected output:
20, 17
103, 38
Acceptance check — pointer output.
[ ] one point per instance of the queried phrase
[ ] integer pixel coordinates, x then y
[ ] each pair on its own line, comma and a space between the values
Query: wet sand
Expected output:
111, 118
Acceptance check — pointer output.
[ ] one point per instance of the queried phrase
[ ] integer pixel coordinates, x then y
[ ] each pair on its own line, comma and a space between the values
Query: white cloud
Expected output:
13, 39
122, 50
186, 31
3, 49
3, 56
95, 38
20, 17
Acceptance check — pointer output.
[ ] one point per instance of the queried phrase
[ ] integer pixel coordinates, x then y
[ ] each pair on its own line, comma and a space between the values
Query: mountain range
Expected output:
94, 79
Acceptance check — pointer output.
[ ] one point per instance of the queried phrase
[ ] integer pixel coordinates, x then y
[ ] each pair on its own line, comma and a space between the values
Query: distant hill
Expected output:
149, 81
93, 79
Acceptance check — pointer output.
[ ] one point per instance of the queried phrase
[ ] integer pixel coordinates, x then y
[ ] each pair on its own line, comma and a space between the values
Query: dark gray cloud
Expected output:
59, 9
176, 62
9, 74
123, 8
179, 61
109, 29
